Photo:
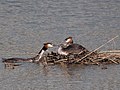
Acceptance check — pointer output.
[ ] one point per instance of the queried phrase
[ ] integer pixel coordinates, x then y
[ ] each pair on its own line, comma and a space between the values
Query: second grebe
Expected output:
68, 47
33, 59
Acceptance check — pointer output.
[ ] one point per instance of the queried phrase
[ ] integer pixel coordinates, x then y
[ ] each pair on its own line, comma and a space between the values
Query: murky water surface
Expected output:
26, 24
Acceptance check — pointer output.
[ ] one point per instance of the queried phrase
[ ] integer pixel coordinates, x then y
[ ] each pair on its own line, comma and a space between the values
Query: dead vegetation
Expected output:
95, 58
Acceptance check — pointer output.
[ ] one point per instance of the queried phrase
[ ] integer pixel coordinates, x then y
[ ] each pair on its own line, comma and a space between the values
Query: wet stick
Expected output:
97, 48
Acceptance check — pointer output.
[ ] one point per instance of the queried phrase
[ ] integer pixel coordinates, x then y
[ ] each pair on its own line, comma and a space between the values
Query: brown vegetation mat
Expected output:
92, 59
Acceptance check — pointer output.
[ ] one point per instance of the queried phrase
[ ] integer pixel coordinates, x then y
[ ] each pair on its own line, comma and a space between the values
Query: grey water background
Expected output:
26, 24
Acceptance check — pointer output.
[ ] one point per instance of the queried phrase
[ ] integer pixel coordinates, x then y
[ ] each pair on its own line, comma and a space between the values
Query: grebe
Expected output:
41, 52
68, 47
33, 59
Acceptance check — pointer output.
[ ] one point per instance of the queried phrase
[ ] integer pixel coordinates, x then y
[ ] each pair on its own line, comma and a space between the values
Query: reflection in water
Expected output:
58, 76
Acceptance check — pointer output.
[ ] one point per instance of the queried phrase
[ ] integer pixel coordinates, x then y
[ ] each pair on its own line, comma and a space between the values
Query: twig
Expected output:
97, 48
108, 57
113, 61
60, 60
111, 51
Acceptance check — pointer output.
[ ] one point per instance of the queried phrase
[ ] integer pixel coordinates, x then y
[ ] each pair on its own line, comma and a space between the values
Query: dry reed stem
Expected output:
113, 51
61, 60
97, 48
113, 61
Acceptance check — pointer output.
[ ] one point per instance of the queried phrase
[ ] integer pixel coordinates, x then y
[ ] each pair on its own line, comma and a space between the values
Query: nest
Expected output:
91, 58
95, 58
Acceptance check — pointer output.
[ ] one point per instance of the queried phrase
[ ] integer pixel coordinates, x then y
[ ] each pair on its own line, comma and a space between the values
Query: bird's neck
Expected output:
40, 54
42, 50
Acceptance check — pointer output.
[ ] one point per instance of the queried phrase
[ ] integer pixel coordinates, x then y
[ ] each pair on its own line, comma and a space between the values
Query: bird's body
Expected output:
15, 60
33, 59
71, 48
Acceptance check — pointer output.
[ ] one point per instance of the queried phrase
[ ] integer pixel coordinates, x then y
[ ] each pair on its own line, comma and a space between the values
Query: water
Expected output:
26, 24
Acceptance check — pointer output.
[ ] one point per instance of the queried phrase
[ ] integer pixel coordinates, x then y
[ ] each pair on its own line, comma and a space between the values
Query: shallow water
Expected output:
26, 24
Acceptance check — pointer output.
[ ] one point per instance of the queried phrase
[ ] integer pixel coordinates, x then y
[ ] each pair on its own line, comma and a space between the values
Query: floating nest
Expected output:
91, 58
94, 58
